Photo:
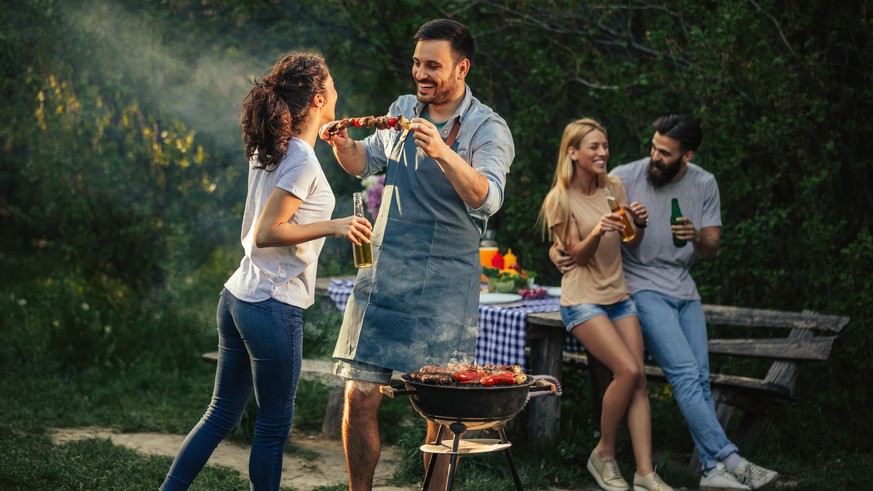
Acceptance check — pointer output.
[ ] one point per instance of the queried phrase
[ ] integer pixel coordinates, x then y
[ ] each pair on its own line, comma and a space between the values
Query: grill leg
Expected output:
451, 477
515, 477
457, 429
431, 464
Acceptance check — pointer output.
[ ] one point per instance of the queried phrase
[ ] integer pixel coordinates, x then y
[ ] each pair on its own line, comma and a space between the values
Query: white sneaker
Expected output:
754, 476
721, 479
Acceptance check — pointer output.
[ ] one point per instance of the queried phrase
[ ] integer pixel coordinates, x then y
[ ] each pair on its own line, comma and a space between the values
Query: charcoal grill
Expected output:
459, 408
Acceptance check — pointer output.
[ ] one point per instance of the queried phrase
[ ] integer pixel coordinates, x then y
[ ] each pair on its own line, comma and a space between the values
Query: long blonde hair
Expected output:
565, 169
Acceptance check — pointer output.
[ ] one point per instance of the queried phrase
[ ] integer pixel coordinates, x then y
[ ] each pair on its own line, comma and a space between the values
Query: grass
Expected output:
130, 362
32, 462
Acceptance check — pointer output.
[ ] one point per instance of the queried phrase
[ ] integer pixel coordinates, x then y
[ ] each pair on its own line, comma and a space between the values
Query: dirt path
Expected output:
303, 473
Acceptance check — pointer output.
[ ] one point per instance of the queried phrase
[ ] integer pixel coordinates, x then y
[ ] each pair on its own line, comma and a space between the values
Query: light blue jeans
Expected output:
674, 331
259, 348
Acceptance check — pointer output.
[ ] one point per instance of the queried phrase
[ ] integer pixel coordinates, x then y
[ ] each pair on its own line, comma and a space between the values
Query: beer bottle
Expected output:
363, 253
628, 233
675, 215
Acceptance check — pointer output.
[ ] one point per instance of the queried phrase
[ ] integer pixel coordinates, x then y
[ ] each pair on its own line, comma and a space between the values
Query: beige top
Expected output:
601, 280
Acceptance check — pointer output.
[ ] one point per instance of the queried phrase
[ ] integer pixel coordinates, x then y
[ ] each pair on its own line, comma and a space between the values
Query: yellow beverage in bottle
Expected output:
485, 255
363, 254
628, 233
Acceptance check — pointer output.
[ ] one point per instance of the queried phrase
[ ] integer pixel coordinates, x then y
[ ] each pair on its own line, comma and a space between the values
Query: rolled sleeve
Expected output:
492, 156
377, 159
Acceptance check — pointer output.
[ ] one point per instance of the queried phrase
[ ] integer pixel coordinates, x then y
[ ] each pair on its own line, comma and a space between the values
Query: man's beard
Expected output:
668, 172
442, 94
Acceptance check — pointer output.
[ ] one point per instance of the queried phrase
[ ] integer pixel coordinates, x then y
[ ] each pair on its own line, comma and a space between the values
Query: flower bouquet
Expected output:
373, 186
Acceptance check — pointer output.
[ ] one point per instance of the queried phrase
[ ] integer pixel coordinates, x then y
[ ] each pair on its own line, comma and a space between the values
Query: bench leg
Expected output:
750, 427
331, 427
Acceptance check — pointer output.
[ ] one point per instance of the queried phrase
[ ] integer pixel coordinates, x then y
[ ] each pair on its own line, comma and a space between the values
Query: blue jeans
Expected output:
260, 349
674, 331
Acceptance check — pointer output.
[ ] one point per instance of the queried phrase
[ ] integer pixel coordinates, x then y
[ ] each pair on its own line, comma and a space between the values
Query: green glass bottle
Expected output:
675, 215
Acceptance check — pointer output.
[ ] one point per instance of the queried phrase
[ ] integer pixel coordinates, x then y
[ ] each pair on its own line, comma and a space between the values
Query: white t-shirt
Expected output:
286, 274
657, 264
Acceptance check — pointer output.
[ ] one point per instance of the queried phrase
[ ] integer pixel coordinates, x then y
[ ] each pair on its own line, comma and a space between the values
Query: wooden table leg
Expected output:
544, 413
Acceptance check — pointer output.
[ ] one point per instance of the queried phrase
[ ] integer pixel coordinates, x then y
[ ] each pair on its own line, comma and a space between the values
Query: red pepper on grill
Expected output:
502, 378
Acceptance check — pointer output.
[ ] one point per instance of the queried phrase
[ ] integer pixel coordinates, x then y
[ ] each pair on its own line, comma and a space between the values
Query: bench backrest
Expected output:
801, 344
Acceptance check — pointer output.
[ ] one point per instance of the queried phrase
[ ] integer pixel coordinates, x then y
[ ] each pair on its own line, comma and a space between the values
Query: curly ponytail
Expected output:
275, 107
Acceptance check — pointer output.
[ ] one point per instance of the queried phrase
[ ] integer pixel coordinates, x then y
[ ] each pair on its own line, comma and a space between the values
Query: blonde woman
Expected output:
595, 303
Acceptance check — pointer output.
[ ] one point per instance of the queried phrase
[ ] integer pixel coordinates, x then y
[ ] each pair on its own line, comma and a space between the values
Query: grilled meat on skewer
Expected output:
380, 122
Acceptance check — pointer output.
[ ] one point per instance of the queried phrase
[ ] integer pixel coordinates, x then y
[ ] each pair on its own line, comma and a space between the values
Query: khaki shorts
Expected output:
362, 372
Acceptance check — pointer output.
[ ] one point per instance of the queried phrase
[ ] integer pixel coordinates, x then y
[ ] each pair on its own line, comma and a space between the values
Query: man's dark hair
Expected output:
463, 43
682, 127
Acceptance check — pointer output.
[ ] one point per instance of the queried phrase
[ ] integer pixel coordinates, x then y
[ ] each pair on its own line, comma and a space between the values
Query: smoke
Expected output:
198, 76
172, 72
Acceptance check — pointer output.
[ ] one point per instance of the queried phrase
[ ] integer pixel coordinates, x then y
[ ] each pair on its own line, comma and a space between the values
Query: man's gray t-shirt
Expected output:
657, 264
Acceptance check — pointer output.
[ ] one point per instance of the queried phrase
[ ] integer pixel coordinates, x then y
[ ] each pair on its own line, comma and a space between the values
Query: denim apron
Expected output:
418, 304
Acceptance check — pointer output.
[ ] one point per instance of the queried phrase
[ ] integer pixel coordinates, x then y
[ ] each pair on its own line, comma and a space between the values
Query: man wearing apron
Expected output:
418, 304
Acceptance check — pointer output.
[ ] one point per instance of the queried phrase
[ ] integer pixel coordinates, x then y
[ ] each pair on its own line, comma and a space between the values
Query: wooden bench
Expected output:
779, 340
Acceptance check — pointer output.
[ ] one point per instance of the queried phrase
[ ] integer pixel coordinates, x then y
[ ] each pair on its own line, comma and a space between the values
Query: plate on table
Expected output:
497, 298
554, 291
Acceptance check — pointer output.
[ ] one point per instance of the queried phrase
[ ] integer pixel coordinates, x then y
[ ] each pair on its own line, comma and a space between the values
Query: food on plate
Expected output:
470, 375
380, 122
533, 293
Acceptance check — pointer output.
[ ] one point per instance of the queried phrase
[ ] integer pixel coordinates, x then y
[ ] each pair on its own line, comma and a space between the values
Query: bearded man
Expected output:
418, 304
669, 306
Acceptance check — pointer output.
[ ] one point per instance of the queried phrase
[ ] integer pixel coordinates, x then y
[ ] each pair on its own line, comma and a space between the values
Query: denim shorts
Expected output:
363, 372
577, 314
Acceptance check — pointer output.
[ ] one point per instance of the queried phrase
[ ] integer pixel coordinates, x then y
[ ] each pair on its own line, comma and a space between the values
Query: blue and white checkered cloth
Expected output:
502, 329
339, 291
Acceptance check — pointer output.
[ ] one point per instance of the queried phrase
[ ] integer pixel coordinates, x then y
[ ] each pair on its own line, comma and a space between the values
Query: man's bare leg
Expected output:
441, 470
360, 433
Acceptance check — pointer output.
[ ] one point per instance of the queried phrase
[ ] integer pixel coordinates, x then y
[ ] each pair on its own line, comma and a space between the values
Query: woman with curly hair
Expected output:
259, 315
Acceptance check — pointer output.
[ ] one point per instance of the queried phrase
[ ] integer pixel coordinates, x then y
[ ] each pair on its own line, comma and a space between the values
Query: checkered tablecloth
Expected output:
339, 291
502, 328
